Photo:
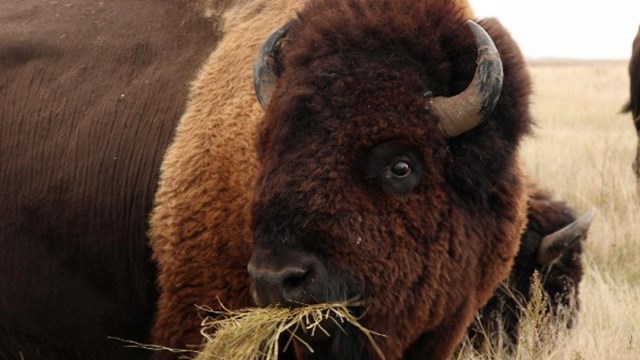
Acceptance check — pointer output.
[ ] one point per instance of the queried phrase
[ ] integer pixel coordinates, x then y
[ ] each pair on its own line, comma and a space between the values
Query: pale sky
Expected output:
574, 29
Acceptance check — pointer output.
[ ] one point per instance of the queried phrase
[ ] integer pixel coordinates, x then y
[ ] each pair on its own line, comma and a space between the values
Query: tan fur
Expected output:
200, 225
207, 177
467, 10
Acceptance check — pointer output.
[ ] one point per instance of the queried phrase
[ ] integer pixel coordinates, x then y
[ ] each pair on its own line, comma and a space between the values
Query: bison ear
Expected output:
266, 69
555, 244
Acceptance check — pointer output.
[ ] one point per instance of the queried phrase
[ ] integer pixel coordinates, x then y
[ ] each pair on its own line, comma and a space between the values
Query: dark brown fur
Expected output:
90, 94
560, 280
354, 76
634, 103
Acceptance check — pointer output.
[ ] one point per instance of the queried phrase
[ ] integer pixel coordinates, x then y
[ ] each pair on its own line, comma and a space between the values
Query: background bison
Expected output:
551, 245
634, 102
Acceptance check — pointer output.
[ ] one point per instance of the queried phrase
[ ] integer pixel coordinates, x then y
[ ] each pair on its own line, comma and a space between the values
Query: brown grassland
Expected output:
582, 150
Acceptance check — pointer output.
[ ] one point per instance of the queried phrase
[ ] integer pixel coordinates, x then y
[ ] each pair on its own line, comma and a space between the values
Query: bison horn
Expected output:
461, 113
555, 244
266, 69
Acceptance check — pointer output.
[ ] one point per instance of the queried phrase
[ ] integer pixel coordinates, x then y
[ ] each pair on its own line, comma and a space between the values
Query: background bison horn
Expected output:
461, 113
555, 244
266, 69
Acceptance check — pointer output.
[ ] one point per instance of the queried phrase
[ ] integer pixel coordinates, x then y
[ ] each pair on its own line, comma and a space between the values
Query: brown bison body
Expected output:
326, 210
634, 103
560, 273
90, 95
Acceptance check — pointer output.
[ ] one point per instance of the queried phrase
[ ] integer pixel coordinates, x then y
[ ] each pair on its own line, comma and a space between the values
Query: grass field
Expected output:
582, 150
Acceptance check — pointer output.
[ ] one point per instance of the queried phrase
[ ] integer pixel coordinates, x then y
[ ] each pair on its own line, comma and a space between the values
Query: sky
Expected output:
561, 29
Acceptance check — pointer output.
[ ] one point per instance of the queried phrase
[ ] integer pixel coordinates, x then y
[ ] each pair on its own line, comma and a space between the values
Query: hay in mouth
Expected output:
254, 333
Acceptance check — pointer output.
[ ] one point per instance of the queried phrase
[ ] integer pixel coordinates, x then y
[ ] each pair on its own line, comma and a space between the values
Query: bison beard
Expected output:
356, 189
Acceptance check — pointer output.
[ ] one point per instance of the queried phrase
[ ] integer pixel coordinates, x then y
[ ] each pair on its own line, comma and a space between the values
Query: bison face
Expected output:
358, 214
355, 198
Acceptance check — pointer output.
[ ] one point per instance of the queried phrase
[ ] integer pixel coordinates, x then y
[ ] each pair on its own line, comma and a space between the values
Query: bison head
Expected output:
388, 169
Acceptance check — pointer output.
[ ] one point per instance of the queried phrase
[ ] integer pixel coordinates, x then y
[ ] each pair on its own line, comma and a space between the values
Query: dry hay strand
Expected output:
541, 332
254, 333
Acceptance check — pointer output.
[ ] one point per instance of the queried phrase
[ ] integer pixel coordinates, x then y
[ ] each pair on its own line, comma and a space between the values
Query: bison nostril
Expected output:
286, 286
291, 280
296, 279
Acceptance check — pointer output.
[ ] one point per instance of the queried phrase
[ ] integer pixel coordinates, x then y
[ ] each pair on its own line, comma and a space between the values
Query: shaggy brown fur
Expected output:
560, 280
90, 94
354, 75
634, 102
200, 224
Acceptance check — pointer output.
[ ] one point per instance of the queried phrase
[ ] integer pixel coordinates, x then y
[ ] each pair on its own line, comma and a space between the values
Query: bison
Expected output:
380, 164
550, 245
90, 94
633, 105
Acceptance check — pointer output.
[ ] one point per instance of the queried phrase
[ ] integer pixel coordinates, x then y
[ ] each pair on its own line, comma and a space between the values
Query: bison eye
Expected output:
401, 169
395, 166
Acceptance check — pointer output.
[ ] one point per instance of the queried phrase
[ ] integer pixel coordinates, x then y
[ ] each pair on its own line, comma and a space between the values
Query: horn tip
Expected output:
587, 218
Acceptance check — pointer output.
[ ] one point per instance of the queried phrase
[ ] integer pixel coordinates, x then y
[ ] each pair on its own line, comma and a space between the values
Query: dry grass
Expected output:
583, 150
538, 337
256, 333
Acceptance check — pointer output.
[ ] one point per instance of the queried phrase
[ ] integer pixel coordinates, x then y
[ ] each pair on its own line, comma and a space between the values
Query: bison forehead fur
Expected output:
424, 257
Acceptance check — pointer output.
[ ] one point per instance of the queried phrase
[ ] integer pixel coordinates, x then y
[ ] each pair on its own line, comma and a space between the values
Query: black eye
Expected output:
395, 166
401, 169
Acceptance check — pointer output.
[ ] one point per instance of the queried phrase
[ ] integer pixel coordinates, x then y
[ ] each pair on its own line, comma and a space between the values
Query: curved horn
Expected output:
555, 244
461, 113
265, 69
